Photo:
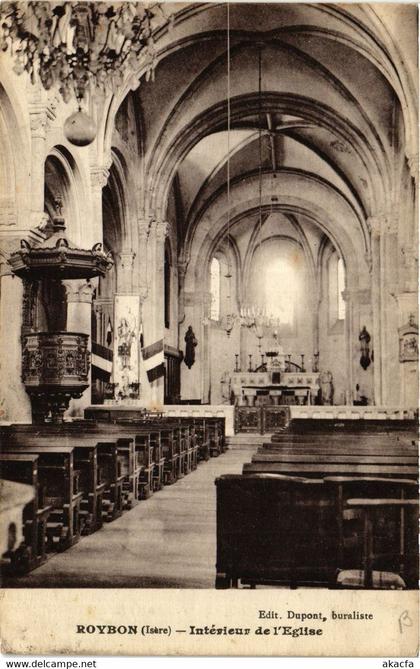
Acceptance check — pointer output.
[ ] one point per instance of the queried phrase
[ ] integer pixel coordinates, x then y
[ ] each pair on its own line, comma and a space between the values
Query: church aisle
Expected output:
167, 541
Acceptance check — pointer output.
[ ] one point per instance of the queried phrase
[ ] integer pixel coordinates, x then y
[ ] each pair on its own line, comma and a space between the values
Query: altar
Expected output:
275, 388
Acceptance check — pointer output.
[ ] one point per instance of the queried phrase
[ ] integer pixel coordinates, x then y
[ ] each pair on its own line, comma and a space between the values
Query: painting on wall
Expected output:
126, 347
409, 341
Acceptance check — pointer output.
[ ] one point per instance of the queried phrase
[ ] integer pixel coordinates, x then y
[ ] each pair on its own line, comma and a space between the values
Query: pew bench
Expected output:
109, 480
400, 556
331, 425
274, 529
23, 468
331, 457
59, 480
316, 470
14, 497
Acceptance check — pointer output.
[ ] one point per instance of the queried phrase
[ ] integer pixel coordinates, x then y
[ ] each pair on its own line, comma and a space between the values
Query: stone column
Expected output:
360, 305
79, 315
142, 280
202, 314
38, 123
375, 225
409, 369
159, 231
125, 370
93, 233
15, 405
182, 271
390, 260
348, 297
407, 299
192, 386
125, 271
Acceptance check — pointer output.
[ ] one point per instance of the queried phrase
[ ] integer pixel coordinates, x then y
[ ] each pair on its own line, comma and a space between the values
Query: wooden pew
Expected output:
274, 530
330, 425
203, 439
216, 427
14, 497
361, 439
109, 480
339, 448
59, 480
170, 453
23, 468
188, 442
277, 529
350, 528
397, 563
165, 455
148, 444
332, 468
143, 462
331, 457
136, 459
130, 470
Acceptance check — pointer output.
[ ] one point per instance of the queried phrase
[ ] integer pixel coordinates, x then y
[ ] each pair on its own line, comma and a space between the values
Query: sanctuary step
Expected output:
244, 439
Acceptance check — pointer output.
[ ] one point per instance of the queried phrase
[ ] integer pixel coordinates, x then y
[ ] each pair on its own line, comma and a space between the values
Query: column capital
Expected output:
183, 262
98, 177
144, 226
125, 271
375, 225
383, 222
79, 291
126, 259
38, 120
161, 230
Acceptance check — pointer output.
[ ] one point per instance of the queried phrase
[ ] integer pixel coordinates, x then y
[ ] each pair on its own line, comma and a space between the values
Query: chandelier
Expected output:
80, 46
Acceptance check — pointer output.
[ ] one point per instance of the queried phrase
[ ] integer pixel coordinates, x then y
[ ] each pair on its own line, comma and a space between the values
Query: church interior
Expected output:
209, 275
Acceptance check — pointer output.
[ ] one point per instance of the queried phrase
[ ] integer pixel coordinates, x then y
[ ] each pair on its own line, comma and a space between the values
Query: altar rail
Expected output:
354, 412
261, 419
225, 411
269, 418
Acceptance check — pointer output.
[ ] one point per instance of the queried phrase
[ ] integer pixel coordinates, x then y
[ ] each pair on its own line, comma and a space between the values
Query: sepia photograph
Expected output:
208, 318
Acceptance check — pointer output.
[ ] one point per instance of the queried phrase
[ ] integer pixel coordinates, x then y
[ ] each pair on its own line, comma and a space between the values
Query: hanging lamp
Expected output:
80, 47
229, 319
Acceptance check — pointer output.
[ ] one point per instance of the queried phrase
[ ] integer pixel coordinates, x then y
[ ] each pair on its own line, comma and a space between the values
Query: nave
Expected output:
227, 232
167, 541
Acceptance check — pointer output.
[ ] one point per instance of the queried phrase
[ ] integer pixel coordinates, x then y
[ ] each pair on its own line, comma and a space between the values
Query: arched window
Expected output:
336, 286
281, 291
341, 284
167, 281
215, 271
276, 282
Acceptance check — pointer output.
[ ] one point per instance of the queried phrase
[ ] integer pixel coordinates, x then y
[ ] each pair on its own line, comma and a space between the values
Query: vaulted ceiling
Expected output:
336, 105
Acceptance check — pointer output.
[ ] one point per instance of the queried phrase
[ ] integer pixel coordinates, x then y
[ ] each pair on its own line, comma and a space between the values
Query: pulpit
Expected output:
55, 362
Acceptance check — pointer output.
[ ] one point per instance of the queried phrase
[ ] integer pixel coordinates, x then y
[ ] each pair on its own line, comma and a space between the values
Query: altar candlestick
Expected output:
250, 362
236, 363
